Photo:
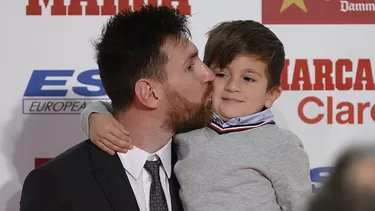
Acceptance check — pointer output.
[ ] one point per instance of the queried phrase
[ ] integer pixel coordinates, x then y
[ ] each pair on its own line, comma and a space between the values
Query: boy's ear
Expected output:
272, 96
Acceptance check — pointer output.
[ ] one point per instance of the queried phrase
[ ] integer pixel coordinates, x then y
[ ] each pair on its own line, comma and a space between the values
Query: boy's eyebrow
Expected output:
252, 71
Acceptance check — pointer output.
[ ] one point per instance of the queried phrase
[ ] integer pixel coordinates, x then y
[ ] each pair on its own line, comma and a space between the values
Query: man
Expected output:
158, 87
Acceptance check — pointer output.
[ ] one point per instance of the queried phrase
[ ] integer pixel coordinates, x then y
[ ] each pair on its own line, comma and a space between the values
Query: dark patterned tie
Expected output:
157, 197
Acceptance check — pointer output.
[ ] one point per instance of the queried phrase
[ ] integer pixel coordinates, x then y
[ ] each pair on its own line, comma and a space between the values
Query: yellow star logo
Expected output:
298, 3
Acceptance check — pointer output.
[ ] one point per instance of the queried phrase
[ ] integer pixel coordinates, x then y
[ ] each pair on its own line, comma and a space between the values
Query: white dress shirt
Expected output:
140, 180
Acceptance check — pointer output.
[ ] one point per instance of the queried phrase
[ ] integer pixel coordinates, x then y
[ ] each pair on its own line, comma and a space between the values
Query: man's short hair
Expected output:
130, 48
245, 37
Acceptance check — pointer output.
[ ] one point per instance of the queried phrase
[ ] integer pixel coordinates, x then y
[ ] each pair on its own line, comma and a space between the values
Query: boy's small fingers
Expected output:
110, 145
124, 145
119, 134
104, 148
121, 128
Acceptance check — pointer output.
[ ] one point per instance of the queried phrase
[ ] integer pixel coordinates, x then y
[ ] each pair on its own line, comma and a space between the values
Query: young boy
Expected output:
242, 160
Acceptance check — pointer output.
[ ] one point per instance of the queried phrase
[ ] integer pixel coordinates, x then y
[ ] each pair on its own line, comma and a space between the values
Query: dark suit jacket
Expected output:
84, 178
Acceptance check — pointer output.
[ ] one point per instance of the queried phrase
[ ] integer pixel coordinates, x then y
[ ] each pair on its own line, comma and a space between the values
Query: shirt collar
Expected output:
263, 116
134, 160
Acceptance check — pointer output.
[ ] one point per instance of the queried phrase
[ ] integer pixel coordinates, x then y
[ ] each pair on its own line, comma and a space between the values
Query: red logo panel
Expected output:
318, 11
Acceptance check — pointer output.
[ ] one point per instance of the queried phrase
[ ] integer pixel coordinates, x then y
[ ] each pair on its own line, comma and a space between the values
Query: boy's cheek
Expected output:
218, 87
214, 101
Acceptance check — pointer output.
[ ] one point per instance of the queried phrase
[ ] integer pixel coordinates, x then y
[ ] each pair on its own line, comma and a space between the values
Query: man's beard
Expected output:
184, 116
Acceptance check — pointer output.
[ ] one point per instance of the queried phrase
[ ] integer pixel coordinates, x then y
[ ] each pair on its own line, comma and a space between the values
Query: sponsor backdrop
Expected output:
49, 74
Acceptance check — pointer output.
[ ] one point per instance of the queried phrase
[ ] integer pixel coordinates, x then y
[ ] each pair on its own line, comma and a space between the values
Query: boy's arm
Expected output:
101, 107
291, 175
103, 129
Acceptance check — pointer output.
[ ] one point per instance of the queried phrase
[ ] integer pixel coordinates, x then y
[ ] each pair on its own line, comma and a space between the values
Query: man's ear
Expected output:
145, 91
272, 96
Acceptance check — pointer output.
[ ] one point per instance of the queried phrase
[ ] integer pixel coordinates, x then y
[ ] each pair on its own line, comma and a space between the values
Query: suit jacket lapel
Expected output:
174, 186
173, 189
112, 178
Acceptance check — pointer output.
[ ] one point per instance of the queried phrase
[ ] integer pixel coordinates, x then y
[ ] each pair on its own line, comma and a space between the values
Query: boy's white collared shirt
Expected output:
140, 180
262, 116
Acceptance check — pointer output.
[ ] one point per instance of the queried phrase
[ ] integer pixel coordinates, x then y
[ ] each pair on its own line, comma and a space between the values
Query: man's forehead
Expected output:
182, 45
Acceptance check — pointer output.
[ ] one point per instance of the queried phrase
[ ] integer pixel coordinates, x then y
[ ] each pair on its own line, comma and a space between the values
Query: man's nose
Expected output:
207, 75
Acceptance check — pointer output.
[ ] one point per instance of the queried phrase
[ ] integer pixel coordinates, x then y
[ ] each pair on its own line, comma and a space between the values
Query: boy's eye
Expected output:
220, 75
248, 79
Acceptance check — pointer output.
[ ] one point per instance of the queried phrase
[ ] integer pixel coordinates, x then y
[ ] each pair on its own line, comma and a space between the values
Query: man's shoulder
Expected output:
67, 165
73, 157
